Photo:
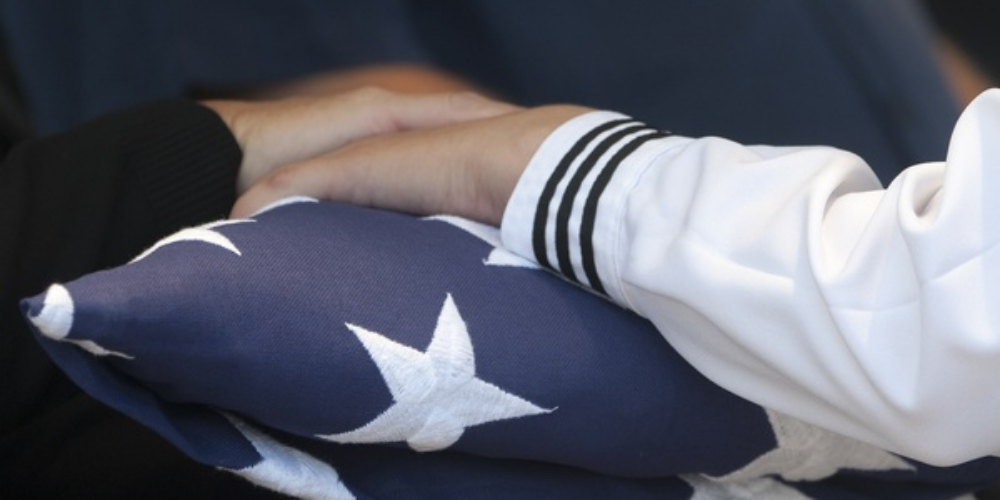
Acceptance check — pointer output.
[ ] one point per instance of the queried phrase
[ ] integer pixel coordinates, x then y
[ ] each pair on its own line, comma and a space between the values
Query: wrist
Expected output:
502, 174
236, 116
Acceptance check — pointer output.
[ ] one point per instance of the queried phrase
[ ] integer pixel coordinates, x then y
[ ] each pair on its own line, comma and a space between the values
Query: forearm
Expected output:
94, 194
788, 276
93, 198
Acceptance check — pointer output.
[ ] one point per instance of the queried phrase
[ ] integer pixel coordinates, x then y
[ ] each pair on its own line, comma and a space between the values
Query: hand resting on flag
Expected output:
467, 169
273, 134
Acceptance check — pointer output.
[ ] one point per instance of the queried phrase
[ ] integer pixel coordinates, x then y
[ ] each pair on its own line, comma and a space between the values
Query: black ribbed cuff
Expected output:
185, 160
179, 163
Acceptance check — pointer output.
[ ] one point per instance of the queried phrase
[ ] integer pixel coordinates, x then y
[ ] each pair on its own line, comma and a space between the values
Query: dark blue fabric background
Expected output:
855, 74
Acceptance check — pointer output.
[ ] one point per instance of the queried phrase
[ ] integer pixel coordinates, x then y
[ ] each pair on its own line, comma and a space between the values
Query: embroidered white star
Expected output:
707, 489
289, 470
55, 320
809, 453
204, 233
436, 393
499, 256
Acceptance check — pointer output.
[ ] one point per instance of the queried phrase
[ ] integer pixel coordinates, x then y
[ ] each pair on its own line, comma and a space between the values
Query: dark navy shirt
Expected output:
854, 74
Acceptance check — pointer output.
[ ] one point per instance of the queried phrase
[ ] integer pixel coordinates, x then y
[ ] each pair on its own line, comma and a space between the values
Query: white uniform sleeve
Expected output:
789, 276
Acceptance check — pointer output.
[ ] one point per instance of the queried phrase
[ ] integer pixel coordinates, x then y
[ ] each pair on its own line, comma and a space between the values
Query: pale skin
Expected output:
453, 152
290, 131
420, 142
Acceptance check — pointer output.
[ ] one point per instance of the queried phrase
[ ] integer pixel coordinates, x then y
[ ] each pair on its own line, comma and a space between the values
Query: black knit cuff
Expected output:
179, 167
185, 160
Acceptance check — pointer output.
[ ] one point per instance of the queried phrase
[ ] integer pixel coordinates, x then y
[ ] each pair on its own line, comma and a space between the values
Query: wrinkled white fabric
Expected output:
790, 276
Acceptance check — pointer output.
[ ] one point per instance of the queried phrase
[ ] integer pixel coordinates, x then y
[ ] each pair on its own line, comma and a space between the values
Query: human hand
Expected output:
276, 133
467, 169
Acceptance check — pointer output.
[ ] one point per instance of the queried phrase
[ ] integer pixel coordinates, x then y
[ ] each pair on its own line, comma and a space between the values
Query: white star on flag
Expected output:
289, 470
809, 453
204, 233
436, 393
56, 317
500, 256
707, 489
55, 320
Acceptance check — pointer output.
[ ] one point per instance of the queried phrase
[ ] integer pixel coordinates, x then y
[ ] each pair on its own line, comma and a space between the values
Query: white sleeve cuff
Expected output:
566, 207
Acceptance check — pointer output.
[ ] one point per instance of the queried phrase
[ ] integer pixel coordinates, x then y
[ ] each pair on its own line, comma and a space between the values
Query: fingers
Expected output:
277, 133
411, 111
373, 111
419, 171
467, 169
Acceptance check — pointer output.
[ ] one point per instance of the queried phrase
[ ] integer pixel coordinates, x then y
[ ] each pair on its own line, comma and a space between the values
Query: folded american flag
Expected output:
331, 351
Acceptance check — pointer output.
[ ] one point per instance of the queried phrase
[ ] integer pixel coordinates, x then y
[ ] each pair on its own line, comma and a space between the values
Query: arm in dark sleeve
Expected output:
69, 205
95, 197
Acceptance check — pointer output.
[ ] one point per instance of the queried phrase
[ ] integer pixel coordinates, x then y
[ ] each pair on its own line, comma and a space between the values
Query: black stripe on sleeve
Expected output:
590, 207
573, 189
549, 191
